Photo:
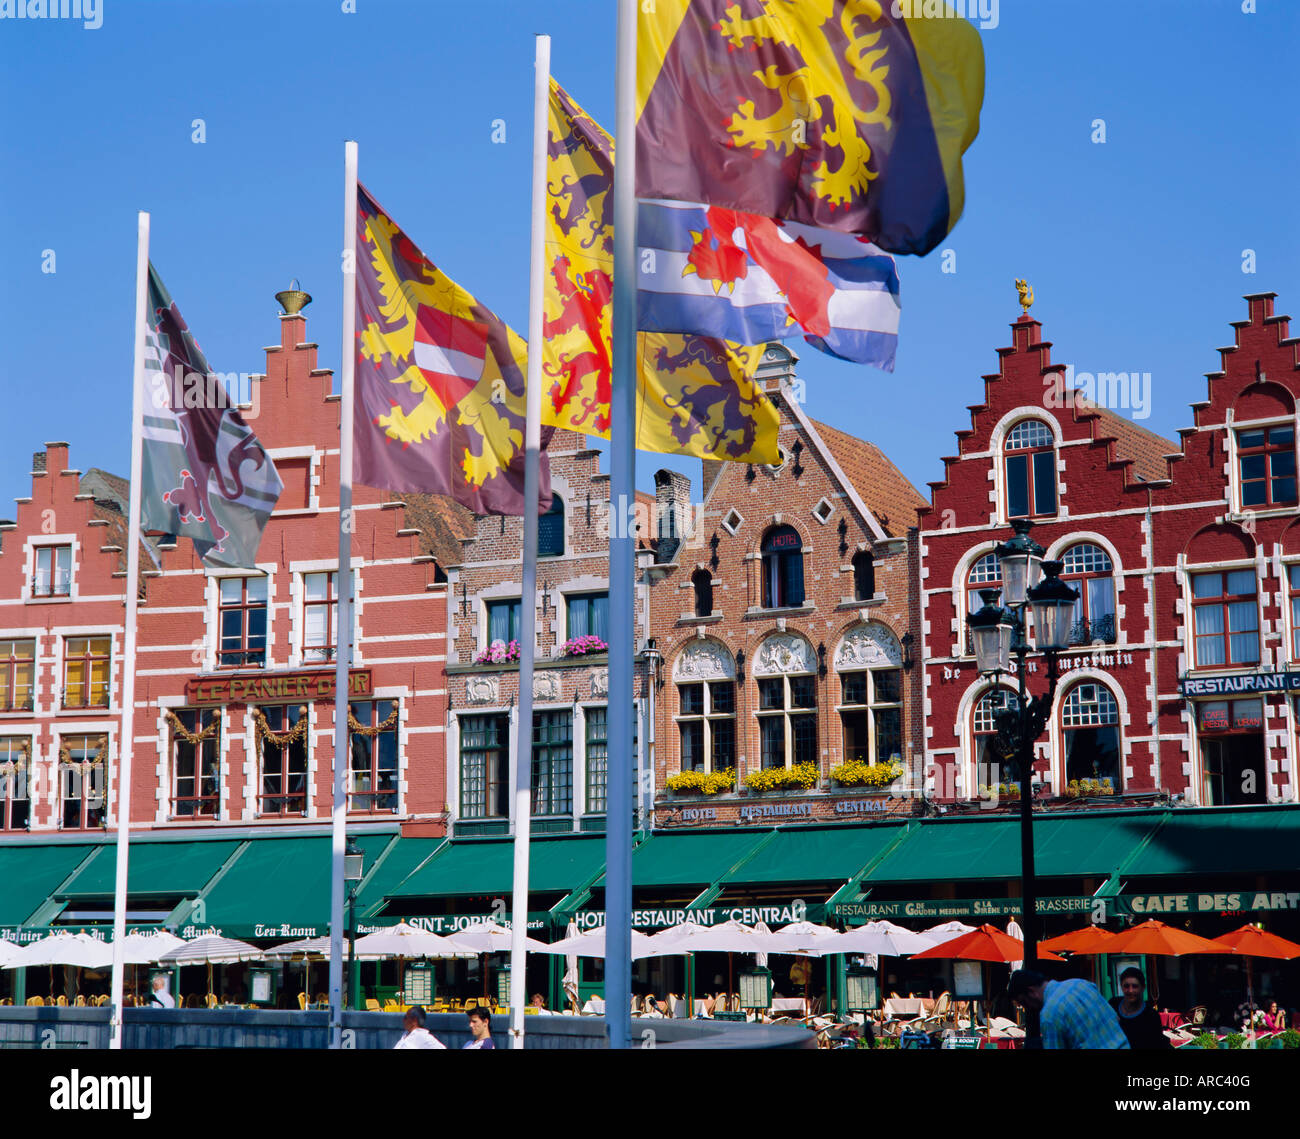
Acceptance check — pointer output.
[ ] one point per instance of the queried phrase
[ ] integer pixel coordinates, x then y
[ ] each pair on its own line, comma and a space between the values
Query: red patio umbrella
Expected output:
1159, 940
988, 943
1251, 941
1090, 939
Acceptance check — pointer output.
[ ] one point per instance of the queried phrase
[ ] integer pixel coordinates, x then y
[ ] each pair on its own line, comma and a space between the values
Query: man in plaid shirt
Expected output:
1071, 1014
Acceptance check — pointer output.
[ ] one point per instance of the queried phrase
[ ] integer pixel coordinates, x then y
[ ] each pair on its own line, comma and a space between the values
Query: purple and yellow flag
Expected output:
843, 114
696, 395
439, 380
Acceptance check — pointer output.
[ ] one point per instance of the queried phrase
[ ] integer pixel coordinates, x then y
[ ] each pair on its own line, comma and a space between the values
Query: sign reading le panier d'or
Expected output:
240, 688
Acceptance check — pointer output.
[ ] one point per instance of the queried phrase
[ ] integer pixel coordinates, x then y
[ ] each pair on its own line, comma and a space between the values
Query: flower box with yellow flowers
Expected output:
858, 773
701, 782
797, 777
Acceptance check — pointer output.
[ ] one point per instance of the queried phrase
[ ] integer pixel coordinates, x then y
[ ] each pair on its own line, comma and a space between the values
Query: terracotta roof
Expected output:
443, 524
1145, 448
887, 492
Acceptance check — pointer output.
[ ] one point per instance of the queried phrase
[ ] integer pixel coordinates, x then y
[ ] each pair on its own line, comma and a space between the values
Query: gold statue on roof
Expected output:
1025, 293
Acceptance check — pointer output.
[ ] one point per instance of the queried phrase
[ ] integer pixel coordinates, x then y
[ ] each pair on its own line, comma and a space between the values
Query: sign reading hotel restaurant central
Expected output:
239, 688
1288, 681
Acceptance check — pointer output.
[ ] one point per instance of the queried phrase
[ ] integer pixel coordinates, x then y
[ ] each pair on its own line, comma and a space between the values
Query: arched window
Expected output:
782, 568
994, 762
702, 582
1088, 569
1090, 733
864, 576
986, 573
1225, 616
1029, 462
550, 530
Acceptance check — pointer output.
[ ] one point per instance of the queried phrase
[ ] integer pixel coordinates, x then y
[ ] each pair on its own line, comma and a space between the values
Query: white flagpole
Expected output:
528, 609
622, 467
128, 640
343, 631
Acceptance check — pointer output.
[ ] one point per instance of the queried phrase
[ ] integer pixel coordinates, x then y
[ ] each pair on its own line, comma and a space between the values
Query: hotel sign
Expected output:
1248, 684
253, 688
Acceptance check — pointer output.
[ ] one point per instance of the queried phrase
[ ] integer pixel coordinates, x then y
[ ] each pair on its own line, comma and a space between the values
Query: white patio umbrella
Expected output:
307, 949
569, 982
938, 934
804, 938
1014, 930
78, 949
146, 947
408, 941
880, 939
212, 950
8, 951
727, 937
592, 944
489, 937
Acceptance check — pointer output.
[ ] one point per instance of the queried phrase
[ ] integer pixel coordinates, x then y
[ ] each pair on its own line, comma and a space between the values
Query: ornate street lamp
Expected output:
997, 635
354, 861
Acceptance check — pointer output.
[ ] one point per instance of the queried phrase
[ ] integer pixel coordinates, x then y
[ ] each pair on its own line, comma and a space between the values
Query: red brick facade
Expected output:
399, 638
1145, 538
840, 499
569, 691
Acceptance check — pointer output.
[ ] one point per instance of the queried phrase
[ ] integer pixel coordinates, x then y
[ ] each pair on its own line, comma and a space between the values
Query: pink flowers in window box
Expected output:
582, 646
498, 652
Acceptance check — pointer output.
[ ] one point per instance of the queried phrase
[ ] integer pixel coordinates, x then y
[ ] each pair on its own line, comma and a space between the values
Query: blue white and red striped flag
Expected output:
750, 279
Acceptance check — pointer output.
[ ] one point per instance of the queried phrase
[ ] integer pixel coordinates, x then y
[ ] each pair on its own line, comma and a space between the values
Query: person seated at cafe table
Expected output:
480, 1028
1274, 1018
538, 1002
1137, 1016
416, 1035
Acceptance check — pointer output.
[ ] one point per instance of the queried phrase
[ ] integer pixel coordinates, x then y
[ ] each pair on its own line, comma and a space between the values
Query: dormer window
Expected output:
864, 576
702, 583
1029, 464
1266, 468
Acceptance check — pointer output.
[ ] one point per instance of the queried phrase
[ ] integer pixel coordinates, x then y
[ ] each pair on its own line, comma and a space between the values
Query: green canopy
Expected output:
1228, 840
814, 854
486, 866
691, 858
30, 874
156, 869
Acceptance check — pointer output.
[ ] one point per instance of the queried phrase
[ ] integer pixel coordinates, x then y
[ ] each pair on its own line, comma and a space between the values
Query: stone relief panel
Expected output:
705, 660
868, 646
784, 653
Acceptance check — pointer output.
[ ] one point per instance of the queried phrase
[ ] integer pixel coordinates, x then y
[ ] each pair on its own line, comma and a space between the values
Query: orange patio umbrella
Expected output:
988, 943
1251, 941
1159, 940
1089, 939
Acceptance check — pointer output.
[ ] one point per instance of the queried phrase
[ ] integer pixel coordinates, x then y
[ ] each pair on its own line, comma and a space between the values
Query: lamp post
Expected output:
354, 860
998, 634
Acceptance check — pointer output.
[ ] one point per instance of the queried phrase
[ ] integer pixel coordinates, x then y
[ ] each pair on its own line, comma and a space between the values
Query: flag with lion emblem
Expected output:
439, 380
843, 114
696, 395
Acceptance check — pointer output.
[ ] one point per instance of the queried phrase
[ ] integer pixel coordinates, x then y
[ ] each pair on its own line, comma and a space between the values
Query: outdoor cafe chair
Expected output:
372, 1005
80, 1001
62, 1001
37, 1002
302, 1001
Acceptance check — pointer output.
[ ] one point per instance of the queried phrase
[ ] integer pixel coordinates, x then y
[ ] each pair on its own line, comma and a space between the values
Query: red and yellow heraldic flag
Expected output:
696, 395
845, 114
439, 380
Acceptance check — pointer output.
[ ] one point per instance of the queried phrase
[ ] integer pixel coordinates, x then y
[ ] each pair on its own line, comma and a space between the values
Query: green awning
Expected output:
691, 858
401, 858
30, 874
278, 888
1228, 840
815, 854
156, 869
1065, 846
486, 866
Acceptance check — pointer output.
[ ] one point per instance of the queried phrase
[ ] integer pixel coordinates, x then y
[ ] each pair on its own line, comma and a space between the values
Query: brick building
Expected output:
571, 677
783, 616
1181, 558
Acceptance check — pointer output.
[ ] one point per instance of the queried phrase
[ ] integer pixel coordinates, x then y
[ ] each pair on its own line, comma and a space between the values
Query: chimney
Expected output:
776, 367
674, 514
55, 459
38, 463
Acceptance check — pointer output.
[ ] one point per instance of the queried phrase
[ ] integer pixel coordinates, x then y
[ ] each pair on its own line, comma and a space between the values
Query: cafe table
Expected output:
904, 1007
790, 1004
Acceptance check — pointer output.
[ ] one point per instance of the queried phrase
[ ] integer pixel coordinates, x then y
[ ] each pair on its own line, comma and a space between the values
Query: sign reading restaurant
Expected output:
1249, 683
238, 688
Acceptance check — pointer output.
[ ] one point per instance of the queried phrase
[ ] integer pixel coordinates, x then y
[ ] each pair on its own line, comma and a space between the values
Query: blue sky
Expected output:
1134, 247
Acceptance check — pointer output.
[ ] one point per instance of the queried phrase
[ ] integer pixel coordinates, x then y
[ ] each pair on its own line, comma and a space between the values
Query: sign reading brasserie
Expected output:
1120, 904
1287, 681
253, 687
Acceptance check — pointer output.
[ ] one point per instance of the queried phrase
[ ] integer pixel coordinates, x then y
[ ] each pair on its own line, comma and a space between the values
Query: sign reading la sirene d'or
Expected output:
1231, 901
252, 688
